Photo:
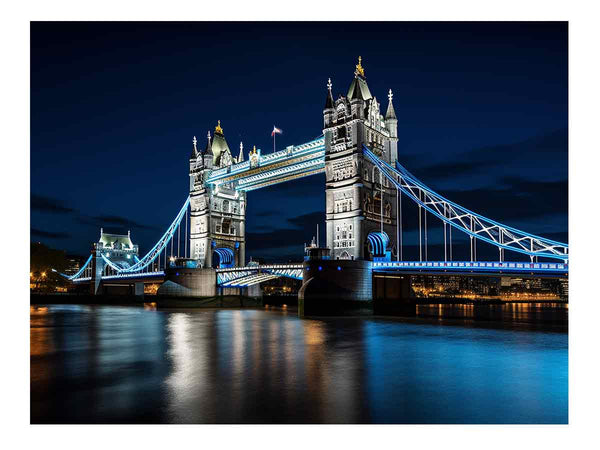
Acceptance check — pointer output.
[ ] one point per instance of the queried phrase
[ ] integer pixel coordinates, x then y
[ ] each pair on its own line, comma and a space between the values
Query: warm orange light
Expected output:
43, 274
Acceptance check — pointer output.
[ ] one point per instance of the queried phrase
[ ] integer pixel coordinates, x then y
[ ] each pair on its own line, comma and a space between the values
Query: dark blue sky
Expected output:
482, 109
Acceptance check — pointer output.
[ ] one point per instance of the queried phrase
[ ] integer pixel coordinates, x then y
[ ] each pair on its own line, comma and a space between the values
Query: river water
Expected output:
109, 364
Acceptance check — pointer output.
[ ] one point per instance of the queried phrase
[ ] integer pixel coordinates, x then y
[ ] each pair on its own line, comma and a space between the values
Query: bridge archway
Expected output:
345, 255
376, 244
222, 257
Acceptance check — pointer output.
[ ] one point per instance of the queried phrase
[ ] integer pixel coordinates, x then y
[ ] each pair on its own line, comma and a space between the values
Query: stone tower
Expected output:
360, 203
218, 215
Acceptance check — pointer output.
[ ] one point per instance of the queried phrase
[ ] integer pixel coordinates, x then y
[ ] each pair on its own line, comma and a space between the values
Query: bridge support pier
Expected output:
138, 289
392, 295
334, 287
253, 291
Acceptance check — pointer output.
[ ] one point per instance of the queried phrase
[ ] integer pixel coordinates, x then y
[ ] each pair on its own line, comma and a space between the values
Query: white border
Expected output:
584, 103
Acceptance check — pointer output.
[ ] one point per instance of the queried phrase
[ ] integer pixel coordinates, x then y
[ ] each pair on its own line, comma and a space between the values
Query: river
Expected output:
111, 364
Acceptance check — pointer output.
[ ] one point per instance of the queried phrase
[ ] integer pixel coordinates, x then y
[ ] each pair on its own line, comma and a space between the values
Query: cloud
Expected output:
515, 198
308, 221
49, 204
545, 154
269, 213
113, 221
49, 234
301, 231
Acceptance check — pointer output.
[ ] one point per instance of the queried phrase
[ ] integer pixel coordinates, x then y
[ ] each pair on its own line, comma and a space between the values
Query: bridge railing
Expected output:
485, 266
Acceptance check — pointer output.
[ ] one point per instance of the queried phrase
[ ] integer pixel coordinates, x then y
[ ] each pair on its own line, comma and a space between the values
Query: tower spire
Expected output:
208, 149
329, 100
390, 114
359, 68
218, 128
194, 154
241, 155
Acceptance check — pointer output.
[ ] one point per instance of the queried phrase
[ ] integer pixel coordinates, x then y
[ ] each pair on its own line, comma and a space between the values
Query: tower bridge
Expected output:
365, 184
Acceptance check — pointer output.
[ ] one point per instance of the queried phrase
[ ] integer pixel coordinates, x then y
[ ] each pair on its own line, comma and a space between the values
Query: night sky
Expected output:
482, 119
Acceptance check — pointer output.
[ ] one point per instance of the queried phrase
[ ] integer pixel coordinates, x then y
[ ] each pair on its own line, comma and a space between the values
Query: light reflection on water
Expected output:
107, 364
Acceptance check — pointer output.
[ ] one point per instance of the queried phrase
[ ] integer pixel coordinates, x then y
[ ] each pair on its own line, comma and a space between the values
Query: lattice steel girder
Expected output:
467, 221
281, 164
250, 280
270, 177
124, 276
231, 274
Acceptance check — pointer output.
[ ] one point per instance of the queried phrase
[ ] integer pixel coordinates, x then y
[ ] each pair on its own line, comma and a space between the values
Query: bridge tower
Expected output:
118, 248
218, 214
360, 203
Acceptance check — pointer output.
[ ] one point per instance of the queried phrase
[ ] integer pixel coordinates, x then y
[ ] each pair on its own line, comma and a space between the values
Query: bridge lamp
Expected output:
320, 268
339, 268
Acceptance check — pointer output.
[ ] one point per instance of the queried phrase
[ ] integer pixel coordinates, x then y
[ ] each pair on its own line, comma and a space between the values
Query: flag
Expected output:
276, 131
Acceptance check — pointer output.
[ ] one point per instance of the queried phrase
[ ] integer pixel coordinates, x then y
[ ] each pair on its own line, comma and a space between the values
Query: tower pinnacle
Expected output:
359, 68
194, 154
218, 128
241, 155
390, 114
329, 99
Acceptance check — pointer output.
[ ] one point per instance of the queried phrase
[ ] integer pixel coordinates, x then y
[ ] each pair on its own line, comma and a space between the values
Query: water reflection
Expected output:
539, 314
115, 365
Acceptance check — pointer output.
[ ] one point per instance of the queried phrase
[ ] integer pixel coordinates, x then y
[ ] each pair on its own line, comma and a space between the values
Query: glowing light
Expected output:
320, 268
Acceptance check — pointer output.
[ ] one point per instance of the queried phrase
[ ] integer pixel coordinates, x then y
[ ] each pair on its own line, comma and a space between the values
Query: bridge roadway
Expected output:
240, 277
468, 268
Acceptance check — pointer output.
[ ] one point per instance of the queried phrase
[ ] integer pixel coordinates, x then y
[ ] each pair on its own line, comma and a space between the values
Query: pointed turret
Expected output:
207, 154
329, 100
390, 114
358, 88
194, 154
208, 149
220, 149
241, 155
391, 122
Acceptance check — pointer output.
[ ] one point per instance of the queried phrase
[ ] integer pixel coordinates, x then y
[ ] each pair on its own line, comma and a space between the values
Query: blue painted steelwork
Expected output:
79, 272
265, 170
111, 264
469, 222
240, 276
468, 266
160, 245
378, 242
121, 276
225, 257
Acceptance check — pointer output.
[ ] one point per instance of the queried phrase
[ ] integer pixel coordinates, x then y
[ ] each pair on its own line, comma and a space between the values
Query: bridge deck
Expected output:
467, 267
